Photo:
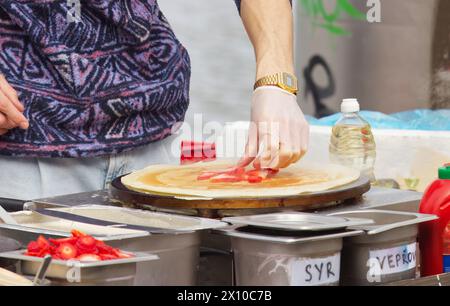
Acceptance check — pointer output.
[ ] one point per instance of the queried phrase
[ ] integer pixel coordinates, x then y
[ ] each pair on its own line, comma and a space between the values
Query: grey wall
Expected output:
222, 57
387, 65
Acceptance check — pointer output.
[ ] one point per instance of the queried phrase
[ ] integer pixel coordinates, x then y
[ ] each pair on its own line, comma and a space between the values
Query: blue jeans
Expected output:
32, 178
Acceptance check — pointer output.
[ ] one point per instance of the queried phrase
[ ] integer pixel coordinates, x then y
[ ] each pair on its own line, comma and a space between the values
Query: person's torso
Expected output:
96, 77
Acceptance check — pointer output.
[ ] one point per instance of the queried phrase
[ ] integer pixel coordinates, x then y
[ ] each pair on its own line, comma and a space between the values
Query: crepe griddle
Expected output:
209, 207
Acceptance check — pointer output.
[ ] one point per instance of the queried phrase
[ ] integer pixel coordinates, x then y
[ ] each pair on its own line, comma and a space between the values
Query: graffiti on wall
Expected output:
329, 15
330, 20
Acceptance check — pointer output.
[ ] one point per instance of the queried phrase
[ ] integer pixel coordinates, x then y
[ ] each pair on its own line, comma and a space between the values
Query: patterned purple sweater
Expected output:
107, 80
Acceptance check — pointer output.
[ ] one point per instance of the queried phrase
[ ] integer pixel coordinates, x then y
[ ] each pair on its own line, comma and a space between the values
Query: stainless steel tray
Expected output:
297, 221
143, 217
99, 272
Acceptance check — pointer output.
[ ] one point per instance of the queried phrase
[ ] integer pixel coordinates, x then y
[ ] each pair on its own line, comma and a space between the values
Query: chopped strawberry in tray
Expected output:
66, 251
91, 257
78, 247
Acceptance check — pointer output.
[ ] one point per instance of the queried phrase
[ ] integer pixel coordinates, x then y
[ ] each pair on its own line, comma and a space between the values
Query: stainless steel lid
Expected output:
297, 221
274, 236
140, 217
384, 220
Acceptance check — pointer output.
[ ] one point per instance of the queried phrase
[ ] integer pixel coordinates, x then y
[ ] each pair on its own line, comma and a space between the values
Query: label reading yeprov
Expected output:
394, 260
315, 271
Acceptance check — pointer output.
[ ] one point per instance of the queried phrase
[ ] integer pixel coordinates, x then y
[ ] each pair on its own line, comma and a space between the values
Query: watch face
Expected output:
289, 81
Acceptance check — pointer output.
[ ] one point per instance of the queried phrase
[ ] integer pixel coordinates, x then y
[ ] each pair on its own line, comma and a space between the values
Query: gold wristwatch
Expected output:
283, 80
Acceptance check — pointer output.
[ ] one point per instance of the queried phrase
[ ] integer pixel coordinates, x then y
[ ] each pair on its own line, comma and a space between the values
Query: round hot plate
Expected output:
306, 201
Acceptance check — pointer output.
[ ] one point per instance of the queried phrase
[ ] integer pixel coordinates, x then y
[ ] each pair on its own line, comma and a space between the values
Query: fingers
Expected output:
305, 138
269, 145
8, 109
3, 131
251, 148
286, 152
5, 123
296, 140
281, 147
11, 93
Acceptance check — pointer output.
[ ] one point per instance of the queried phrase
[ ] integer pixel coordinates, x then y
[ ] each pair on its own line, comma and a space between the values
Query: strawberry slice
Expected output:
77, 233
42, 242
272, 172
33, 247
107, 256
87, 242
66, 251
227, 178
207, 175
125, 255
264, 173
89, 257
254, 179
121, 254
235, 171
58, 242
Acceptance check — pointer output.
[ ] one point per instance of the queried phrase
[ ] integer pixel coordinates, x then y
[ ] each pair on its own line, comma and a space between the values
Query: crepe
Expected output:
181, 181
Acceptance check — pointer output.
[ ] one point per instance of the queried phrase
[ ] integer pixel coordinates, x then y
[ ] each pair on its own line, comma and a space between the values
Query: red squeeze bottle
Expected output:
434, 257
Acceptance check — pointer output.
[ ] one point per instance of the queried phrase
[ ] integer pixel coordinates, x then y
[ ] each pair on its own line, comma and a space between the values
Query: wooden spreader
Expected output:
222, 207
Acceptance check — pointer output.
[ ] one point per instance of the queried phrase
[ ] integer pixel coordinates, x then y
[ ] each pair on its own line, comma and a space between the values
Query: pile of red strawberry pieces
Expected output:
80, 247
237, 174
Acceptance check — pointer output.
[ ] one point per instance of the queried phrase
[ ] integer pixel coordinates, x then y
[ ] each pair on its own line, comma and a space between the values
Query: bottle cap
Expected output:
444, 172
350, 106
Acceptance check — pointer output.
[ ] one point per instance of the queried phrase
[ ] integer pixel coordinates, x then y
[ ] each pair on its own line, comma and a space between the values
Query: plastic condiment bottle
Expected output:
433, 235
352, 143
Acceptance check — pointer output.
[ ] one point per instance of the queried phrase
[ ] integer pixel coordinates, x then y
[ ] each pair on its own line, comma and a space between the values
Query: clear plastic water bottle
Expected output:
352, 143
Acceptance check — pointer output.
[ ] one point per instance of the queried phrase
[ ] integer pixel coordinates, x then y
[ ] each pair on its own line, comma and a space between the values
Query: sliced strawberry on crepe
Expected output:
227, 178
254, 179
235, 171
207, 175
257, 176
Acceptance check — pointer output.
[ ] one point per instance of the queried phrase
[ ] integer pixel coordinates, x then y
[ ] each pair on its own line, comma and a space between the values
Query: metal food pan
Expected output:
177, 252
143, 217
297, 221
387, 252
72, 272
264, 258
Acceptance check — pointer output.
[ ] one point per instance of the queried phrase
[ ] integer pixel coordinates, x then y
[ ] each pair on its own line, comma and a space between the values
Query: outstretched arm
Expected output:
279, 133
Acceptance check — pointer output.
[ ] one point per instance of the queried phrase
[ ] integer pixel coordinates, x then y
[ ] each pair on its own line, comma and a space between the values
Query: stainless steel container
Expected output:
178, 253
387, 252
270, 258
118, 272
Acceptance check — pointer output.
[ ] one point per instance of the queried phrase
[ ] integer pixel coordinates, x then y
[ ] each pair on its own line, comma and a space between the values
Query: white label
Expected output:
394, 260
315, 271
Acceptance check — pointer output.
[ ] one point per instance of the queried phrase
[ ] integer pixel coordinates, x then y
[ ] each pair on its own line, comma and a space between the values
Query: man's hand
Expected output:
11, 110
278, 134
